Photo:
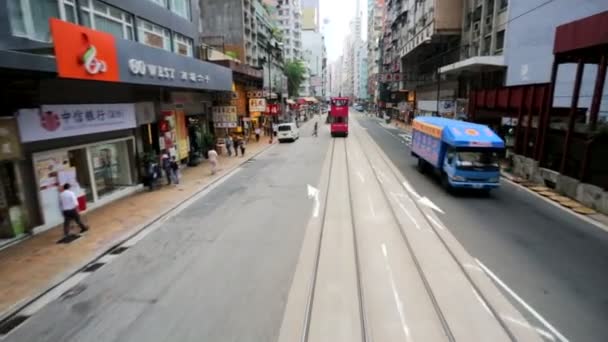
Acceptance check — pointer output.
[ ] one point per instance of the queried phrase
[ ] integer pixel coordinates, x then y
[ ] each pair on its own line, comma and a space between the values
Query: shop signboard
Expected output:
10, 147
256, 93
273, 109
257, 105
61, 121
84, 53
225, 116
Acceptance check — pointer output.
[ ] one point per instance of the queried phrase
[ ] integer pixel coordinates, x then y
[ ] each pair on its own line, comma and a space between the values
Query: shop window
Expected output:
182, 45
11, 220
30, 18
500, 40
103, 17
181, 8
111, 167
153, 35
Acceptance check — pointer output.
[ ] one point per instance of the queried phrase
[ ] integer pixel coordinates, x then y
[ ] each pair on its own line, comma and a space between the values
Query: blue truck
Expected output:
463, 154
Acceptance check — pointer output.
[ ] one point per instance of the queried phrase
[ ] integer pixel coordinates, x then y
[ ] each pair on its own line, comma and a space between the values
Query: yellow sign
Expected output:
426, 128
182, 135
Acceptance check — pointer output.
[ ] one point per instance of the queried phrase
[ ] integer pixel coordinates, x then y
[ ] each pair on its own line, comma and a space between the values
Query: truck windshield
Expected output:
488, 160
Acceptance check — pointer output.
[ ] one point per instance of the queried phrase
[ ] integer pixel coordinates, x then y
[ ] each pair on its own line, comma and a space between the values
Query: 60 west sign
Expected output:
139, 67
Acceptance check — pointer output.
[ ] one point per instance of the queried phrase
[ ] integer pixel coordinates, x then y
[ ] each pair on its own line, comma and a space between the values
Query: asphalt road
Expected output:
218, 271
555, 262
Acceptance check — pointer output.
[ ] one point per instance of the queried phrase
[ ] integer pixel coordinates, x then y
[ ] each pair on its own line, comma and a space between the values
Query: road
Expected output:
553, 261
218, 271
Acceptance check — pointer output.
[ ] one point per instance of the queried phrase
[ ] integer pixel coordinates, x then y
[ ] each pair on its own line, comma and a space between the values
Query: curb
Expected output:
585, 218
19, 306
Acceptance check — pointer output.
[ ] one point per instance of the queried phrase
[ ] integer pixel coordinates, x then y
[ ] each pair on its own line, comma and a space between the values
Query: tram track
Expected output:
318, 253
424, 278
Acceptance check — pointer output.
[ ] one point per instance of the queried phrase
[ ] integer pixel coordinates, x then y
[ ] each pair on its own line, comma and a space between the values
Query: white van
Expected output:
288, 131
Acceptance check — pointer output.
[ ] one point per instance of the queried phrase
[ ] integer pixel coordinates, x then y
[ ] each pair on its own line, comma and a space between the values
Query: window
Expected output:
500, 40
160, 2
182, 45
103, 17
30, 18
181, 8
504, 4
153, 35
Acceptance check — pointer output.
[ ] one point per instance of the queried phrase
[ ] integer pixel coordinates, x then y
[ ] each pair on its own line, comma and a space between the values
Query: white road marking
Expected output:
371, 206
542, 332
472, 267
427, 202
406, 330
410, 189
433, 221
482, 301
378, 175
361, 176
53, 294
536, 315
406, 211
313, 193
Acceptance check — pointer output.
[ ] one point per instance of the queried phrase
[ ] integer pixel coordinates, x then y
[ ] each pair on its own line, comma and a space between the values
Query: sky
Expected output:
339, 13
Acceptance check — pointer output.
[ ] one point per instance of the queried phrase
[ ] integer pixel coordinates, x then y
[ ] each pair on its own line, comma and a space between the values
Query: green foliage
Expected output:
232, 54
295, 71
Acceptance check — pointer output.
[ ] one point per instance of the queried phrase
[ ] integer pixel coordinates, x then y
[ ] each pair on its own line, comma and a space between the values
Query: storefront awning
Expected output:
311, 99
291, 102
474, 64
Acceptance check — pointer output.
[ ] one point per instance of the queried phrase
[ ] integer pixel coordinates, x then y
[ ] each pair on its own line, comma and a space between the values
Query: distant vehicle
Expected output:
338, 116
359, 107
464, 154
288, 131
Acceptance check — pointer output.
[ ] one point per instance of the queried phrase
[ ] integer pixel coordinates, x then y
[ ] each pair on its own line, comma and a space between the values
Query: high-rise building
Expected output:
289, 19
311, 15
361, 92
375, 18
315, 57
352, 45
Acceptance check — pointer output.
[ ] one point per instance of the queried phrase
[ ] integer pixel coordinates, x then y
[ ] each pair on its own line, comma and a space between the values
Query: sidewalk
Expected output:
38, 263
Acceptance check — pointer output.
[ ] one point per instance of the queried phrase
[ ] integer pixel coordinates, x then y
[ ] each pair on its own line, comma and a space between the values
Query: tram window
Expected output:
340, 103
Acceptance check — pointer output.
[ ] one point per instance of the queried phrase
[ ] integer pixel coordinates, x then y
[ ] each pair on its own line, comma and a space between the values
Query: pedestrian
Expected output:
228, 141
165, 162
242, 145
315, 131
257, 134
213, 160
174, 170
237, 143
69, 207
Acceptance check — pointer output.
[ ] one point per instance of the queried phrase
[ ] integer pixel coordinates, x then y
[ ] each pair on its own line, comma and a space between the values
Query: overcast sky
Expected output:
339, 13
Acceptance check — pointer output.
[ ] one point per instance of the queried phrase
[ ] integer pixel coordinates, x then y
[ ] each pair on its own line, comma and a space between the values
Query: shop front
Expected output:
12, 218
89, 146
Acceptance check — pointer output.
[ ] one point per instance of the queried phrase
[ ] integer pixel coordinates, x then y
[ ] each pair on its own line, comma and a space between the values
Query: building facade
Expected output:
315, 57
375, 18
289, 19
93, 95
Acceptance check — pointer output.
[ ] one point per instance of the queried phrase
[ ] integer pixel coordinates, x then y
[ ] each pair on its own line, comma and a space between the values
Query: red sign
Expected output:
84, 53
273, 109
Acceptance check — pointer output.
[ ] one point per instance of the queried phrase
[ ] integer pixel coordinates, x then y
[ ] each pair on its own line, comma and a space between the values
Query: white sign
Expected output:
224, 116
141, 68
60, 121
257, 105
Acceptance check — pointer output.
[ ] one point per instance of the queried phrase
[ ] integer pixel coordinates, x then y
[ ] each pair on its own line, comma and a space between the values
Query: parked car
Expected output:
288, 131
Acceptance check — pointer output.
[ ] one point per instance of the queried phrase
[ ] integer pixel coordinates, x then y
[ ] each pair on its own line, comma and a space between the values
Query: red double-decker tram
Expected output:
338, 116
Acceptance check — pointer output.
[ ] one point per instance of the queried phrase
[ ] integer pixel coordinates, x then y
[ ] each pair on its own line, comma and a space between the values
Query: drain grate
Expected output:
11, 323
119, 250
93, 267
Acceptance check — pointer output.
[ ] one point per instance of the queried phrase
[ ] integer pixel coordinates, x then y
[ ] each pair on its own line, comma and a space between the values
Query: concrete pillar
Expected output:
580, 68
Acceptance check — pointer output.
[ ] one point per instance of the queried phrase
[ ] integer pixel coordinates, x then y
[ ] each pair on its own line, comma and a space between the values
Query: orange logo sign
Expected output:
471, 131
84, 53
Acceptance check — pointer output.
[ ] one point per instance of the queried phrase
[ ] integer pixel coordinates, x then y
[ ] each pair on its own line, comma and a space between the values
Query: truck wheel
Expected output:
421, 165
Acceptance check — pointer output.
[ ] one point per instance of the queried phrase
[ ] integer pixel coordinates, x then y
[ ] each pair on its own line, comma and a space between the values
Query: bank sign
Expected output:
83, 53
62, 121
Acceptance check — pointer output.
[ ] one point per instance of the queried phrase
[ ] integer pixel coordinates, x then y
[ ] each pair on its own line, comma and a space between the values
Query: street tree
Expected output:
295, 70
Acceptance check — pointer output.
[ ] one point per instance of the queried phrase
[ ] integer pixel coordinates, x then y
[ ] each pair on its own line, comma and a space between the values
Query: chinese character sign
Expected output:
60, 121
273, 109
224, 116
426, 146
257, 105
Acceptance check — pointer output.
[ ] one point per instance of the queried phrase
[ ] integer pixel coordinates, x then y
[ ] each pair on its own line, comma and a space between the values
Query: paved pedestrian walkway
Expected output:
32, 266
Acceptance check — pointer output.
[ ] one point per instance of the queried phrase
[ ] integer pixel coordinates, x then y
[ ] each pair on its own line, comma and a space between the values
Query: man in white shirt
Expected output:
69, 206
213, 160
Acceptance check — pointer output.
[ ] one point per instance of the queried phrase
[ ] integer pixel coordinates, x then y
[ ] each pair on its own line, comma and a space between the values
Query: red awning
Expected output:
301, 101
581, 34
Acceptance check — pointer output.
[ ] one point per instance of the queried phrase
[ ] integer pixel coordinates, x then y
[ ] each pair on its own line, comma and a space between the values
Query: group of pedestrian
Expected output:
170, 167
235, 144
